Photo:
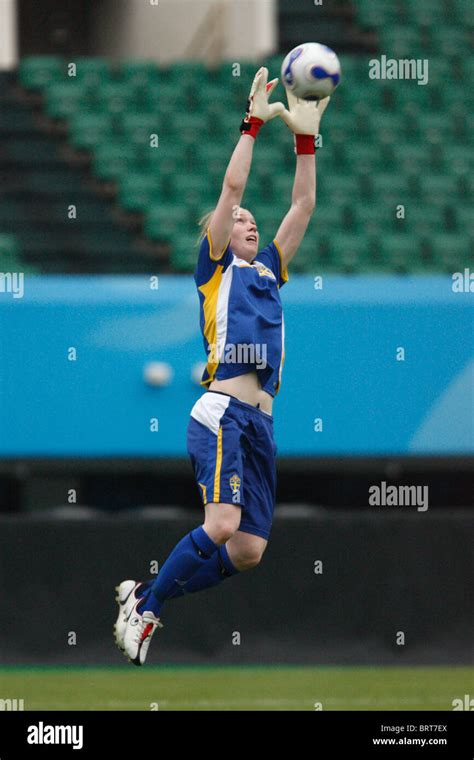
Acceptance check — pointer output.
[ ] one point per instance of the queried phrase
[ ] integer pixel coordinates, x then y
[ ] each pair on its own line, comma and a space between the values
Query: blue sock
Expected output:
214, 571
188, 556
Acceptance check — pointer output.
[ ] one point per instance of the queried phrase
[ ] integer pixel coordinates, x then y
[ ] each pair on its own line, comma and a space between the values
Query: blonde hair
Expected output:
203, 223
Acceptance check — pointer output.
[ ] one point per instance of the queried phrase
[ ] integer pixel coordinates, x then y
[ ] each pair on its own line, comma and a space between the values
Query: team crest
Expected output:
263, 270
234, 483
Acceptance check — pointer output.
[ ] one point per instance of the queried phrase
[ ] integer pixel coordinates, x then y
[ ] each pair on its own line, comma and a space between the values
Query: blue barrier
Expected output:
341, 367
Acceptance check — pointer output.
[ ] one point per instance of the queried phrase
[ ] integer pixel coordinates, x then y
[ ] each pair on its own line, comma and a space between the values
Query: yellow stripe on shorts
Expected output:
217, 475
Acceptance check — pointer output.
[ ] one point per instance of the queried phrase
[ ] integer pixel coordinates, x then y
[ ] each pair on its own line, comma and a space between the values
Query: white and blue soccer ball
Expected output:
311, 71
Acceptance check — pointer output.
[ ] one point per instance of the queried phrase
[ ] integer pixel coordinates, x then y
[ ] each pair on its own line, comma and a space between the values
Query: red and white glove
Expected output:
259, 110
303, 119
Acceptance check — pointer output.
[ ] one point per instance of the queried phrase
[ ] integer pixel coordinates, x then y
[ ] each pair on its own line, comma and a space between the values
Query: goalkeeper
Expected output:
230, 433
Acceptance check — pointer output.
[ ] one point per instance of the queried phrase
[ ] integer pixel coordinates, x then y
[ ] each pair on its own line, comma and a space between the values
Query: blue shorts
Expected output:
233, 451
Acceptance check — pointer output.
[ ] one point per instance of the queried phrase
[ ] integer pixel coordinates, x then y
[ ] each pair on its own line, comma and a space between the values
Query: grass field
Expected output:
236, 688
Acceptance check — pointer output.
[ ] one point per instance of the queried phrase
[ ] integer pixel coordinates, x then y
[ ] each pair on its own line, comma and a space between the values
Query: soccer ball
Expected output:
311, 71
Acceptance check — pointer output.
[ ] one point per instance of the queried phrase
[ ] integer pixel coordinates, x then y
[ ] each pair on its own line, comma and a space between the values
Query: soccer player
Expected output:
230, 435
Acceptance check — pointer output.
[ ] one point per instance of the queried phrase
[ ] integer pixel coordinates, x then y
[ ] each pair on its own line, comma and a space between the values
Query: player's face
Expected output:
244, 238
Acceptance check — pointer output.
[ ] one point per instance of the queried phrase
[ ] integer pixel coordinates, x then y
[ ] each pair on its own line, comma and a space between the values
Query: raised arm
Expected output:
303, 200
233, 187
259, 110
303, 118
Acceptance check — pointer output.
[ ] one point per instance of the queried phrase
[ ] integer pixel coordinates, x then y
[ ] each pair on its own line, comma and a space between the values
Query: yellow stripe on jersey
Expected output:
283, 269
210, 291
217, 475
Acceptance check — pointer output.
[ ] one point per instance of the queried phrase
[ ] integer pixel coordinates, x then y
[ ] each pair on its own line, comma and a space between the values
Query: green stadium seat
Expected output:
36, 72
455, 248
387, 128
64, 99
390, 188
348, 249
411, 98
328, 216
437, 189
9, 253
423, 220
193, 189
354, 70
267, 154
463, 12
465, 221
273, 63
403, 253
91, 72
183, 73
425, 13
338, 188
268, 219
138, 192
221, 125
115, 97
458, 160
372, 218
376, 15
139, 73
165, 221
450, 40
278, 190
86, 130
192, 129
358, 157
401, 42
434, 127
184, 252
113, 160
230, 76
164, 161
440, 72
313, 256
210, 97
139, 127
153, 100
411, 157
353, 98
210, 154
455, 97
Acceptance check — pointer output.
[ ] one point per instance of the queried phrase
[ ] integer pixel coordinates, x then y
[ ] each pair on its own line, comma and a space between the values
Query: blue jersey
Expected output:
241, 314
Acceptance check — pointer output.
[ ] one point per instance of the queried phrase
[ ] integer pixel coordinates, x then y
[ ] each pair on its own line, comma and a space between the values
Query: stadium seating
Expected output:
385, 143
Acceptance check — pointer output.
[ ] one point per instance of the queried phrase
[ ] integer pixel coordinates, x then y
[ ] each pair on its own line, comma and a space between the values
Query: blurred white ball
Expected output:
158, 373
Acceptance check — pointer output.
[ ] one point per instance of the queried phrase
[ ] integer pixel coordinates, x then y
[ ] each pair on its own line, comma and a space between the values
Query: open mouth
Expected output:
251, 238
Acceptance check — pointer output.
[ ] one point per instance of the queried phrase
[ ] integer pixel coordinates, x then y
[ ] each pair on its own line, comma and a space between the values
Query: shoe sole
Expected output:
120, 603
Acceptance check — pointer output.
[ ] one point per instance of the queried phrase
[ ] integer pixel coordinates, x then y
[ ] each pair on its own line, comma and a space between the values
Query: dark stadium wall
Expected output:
54, 27
388, 587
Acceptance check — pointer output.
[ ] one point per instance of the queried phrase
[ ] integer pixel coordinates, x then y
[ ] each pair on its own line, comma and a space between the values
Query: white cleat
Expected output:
125, 598
138, 633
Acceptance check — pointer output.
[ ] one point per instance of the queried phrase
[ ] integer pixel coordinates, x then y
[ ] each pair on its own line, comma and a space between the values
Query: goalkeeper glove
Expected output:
259, 110
303, 119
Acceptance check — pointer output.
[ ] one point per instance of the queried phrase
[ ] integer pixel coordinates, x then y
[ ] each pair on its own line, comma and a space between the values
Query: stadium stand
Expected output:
395, 173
